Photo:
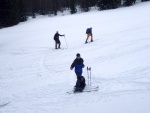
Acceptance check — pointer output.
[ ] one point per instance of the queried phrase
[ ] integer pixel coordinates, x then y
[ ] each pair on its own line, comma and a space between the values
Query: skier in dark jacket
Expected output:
57, 41
89, 34
78, 64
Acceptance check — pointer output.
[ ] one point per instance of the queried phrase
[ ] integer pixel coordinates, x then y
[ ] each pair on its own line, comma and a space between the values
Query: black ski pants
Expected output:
79, 76
57, 42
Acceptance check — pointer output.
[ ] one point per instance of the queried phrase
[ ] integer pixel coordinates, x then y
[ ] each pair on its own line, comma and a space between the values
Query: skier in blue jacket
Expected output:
78, 64
89, 34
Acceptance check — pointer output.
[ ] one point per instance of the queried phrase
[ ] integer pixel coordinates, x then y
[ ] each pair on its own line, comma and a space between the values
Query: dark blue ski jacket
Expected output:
56, 36
90, 31
78, 64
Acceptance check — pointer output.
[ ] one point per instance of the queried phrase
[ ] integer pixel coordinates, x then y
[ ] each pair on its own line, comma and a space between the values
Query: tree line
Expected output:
14, 11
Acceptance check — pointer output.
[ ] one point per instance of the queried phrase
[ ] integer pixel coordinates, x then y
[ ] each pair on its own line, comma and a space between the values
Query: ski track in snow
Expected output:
34, 79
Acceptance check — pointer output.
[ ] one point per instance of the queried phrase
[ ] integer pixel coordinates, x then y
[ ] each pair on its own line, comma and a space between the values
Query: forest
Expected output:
14, 11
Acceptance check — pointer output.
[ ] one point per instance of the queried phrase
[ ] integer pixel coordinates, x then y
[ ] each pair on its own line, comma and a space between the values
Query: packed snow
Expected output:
34, 77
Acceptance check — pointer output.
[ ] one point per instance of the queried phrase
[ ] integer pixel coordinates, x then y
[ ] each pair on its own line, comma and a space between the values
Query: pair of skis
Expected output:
86, 89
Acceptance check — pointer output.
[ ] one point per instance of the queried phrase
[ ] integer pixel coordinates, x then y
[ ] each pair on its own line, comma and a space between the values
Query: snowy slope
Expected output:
34, 77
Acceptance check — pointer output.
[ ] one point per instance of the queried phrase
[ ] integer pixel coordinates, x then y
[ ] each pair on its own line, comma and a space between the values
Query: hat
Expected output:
78, 55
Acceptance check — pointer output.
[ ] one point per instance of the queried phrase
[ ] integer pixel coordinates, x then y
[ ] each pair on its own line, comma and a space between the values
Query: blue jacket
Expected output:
78, 64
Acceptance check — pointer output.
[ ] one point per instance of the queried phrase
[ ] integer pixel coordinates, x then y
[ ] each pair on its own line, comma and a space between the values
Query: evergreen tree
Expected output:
73, 7
85, 5
93, 2
55, 6
144, 0
34, 8
128, 2
23, 14
102, 4
115, 4
108, 4
9, 12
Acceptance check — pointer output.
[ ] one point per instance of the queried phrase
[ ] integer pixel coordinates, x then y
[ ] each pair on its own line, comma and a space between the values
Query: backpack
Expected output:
82, 82
55, 38
87, 30
82, 85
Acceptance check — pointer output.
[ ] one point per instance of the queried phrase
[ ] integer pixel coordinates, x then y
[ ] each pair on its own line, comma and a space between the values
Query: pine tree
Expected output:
9, 12
115, 4
144, 0
54, 7
102, 4
93, 2
128, 2
108, 4
34, 8
85, 5
73, 7
23, 14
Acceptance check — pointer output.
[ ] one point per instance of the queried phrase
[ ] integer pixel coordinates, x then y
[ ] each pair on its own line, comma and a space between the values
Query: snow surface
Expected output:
34, 77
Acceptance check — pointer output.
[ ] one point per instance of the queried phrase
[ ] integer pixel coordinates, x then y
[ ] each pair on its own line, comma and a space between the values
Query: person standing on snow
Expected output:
78, 64
89, 34
57, 41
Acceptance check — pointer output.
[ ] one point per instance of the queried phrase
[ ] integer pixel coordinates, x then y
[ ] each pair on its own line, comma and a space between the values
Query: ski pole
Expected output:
66, 41
88, 75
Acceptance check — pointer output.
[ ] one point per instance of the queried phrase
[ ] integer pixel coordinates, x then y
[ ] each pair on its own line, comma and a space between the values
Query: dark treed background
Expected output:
14, 11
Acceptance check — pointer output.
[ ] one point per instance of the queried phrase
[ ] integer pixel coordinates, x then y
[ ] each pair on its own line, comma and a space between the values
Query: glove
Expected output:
71, 68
